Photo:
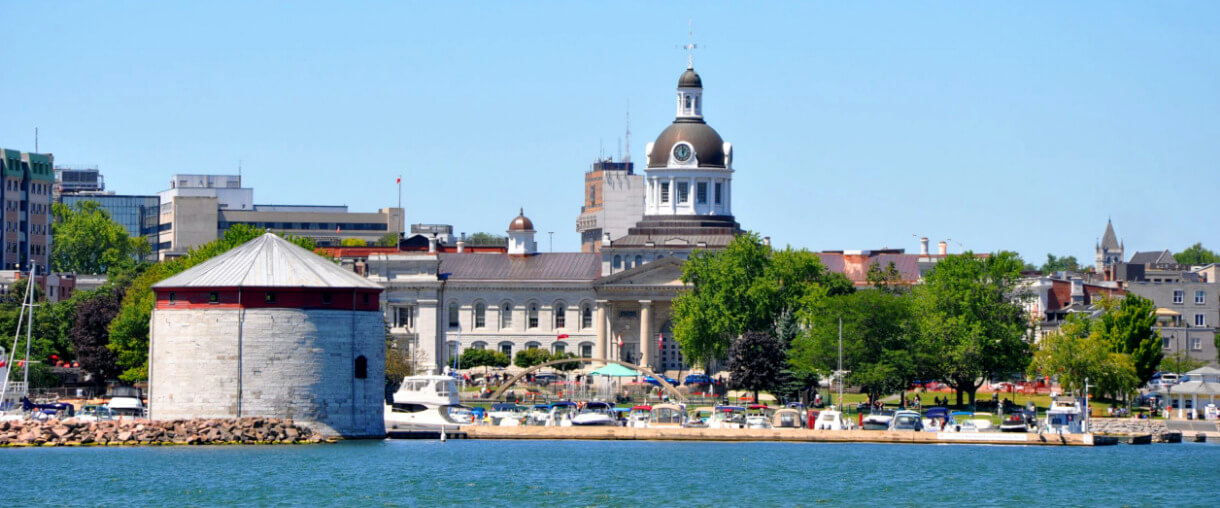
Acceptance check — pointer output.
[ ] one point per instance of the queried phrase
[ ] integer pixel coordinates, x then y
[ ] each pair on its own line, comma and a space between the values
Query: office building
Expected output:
26, 193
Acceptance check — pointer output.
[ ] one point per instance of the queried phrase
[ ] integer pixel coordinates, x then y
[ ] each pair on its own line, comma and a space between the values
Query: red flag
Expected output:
398, 180
620, 340
660, 340
562, 336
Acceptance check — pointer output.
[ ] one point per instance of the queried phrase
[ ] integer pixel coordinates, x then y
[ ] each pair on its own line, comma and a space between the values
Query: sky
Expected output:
855, 125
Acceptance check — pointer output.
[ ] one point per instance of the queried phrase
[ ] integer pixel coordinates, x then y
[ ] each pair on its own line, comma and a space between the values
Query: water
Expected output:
608, 473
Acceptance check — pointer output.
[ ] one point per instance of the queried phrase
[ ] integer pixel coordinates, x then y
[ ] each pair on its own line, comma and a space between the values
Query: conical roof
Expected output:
267, 261
1109, 241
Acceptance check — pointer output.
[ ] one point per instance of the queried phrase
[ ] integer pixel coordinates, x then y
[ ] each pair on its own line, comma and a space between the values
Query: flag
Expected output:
562, 336
620, 340
660, 340
398, 180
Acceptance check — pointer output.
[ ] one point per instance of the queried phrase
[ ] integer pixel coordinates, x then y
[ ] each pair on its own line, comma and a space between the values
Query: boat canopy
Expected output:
937, 412
590, 405
697, 379
504, 406
614, 370
641, 408
730, 408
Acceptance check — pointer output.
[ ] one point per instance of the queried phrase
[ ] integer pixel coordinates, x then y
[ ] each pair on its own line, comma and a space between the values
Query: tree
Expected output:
352, 242
91, 335
483, 358
755, 361
884, 279
527, 358
486, 239
388, 240
565, 366
1127, 325
1060, 264
129, 329
796, 382
1072, 354
969, 321
87, 240
1196, 255
742, 288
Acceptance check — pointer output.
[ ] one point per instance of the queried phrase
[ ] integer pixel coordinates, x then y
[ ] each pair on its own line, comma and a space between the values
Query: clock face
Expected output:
682, 152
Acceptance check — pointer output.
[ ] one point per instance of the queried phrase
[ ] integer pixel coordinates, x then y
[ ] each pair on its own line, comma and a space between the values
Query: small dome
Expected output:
706, 143
521, 223
690, 79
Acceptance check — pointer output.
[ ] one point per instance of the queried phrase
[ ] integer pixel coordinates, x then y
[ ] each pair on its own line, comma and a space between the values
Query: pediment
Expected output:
676, 241
663, 272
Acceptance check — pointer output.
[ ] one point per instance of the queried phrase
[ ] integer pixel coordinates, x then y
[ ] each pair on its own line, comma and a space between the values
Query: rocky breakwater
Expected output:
1135, 427
71, 432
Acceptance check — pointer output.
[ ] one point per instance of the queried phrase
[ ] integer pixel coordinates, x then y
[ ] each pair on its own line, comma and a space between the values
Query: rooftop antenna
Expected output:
627, 155
35, 139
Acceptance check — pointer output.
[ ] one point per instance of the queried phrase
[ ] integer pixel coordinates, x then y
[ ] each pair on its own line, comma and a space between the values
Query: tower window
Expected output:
664, 192
688, 102
718, 189
532, 319
269, 297
362, 367
480, 315
326, 298
453, 315
701, 193
214, 297
618, 262
683, 193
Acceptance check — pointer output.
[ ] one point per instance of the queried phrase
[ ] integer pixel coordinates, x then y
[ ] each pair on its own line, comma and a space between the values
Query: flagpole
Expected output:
399, 191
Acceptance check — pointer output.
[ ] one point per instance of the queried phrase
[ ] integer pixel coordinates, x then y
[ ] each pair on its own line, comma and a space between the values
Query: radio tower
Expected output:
627, 155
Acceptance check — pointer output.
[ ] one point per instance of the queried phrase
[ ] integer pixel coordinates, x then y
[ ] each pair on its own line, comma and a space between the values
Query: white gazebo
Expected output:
1203, 382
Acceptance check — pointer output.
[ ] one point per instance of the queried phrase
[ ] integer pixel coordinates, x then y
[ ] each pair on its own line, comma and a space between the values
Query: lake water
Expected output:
608, 473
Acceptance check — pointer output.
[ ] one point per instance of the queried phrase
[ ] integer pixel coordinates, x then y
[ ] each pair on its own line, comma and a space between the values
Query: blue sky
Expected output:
855, 125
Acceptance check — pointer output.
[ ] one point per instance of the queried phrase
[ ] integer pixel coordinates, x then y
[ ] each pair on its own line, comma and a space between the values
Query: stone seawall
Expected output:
72, 432
789, 435
1131, 426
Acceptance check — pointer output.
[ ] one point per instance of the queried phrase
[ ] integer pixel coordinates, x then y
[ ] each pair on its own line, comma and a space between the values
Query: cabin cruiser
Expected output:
639, 416
906, 420
424, 407
595, 413
1018, 421
1064, 416
666, 416
727, 417
788, 418
758, 417
698, 417
507, 414
878, 420
936, 419
831, 419
127, 402
96, 413
561, 413
538, 415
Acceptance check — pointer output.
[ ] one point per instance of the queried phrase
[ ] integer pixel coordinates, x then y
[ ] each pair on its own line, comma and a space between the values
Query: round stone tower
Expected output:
269, 329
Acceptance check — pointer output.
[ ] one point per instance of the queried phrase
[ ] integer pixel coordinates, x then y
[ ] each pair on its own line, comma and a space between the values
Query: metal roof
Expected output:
1109, 240
267, 261
576, 266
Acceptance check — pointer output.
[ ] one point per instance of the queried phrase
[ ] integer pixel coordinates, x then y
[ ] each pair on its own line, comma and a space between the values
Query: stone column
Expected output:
429, 334
599, 317
646, 333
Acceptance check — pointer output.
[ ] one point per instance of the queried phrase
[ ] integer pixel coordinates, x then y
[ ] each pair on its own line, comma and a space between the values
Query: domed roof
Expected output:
690, 79
521, 223
707, 144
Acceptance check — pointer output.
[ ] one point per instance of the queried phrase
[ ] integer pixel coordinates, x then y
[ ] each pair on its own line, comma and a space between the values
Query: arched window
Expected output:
559, 347
507, 348
561, 315
479, 345
480, 315
453, 315
362, 367
532, 345
532, 318
586, 350
586, 316
506, 316
639, 260
618, 262
688, 102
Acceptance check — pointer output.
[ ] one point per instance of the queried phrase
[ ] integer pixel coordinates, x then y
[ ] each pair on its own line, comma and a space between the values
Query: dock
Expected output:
780, 435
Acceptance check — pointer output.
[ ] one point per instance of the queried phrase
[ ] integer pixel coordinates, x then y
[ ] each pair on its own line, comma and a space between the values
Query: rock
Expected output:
124, 436
60, 431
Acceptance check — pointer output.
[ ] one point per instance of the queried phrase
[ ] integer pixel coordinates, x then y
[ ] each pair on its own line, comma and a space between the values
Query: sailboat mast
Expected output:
29, 326
16, 337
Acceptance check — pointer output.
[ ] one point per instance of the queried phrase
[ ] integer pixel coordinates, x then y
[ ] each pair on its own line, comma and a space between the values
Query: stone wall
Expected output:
1129, 426
72, 432
281, 363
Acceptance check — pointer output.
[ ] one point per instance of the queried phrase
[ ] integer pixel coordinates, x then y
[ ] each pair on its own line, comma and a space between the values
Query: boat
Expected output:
699, 417
561, 413
788, 418
936, 419
878, 420
906, 420
758, 417
507, 414
831, 419
727, 417
595, 413
639, 416
95, 413
1018, 421
1064, 417
127, 402
425, 407
666, 416
538, 415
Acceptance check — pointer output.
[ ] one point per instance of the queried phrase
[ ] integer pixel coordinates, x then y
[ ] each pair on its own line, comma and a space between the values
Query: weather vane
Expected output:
690, 46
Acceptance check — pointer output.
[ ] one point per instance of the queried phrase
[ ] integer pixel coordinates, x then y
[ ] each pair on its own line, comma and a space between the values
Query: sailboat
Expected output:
13, 393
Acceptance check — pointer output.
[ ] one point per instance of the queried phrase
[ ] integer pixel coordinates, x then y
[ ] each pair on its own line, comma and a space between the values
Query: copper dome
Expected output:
706, 143
690, 79
521, 223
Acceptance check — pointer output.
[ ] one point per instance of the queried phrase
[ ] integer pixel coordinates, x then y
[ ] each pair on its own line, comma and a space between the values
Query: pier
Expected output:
784, 435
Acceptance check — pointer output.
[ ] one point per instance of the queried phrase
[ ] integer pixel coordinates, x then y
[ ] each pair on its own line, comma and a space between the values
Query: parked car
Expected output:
1150, 399
1162, 380
546, 378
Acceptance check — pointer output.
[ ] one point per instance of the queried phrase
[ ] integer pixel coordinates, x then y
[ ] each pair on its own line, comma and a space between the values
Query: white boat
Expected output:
126, 402
758, 417
538, 415
93, 413
508, 415
594, 414
667, 416
424, 406
906, 420
561, 413
1064, 416
830, 419
639, 416
727, 417
878, 420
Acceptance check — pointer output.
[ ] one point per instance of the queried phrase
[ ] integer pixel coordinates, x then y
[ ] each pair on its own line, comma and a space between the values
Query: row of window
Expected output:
559, 315
585, 349
1179, 295
14, 185
1196, 343
682, 191
314, 226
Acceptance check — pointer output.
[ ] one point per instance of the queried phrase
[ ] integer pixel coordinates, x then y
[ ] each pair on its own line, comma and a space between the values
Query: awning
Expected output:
1167, 312
614, 370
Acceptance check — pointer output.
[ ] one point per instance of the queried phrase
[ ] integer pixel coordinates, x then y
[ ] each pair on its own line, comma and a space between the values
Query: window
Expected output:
586, 316
586, 350
664, 192
172, 297
687, 102
561, 316
507, 348
1200, 297
1196, 344
506, 315
480, 315
559, 347
479, 345
1178, 295
639, 260
618, 262
213, 297
269, 297
683, 192
1165, 344
1199, 321
701, 193
454, 322
326, 298
404, 317
532, 345
364, 299
362, 367
532, 318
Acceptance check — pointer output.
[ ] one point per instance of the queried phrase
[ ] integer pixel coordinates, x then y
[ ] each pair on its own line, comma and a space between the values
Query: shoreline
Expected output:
230, 431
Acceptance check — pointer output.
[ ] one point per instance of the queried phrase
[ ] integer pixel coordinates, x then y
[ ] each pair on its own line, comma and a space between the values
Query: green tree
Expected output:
87, 240
755, 361
969, 321
527, 358
1196, 255
1072, 354
1127, 325
1060, 264
486, 239
353, 242
565, 366
885, 279
483, 358
129, 329
388, 240
744, 287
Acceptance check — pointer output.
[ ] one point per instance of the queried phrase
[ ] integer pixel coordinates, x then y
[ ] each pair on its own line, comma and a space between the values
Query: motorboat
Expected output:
788, 418
1064, 416
727, 417
561, 413
666, 416
96, 413
425, 407
127, 402
507, 414
50, 411
1017, 421
982, 422
758, 417
639, 416
831, 419
906, 420
538, 415
699, 417
878, 420
936, 419
595, 413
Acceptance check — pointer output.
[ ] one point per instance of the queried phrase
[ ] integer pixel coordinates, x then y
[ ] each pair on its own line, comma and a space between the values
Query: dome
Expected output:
521, 223
707, 144
690, 79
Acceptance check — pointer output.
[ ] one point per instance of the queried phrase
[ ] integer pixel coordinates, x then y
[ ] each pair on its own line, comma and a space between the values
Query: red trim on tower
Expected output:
268, 298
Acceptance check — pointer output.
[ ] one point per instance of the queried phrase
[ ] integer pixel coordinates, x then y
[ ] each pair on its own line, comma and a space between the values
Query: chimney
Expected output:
605, 239
767, 241
942, 247
432, 244
461, 245
923, 246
